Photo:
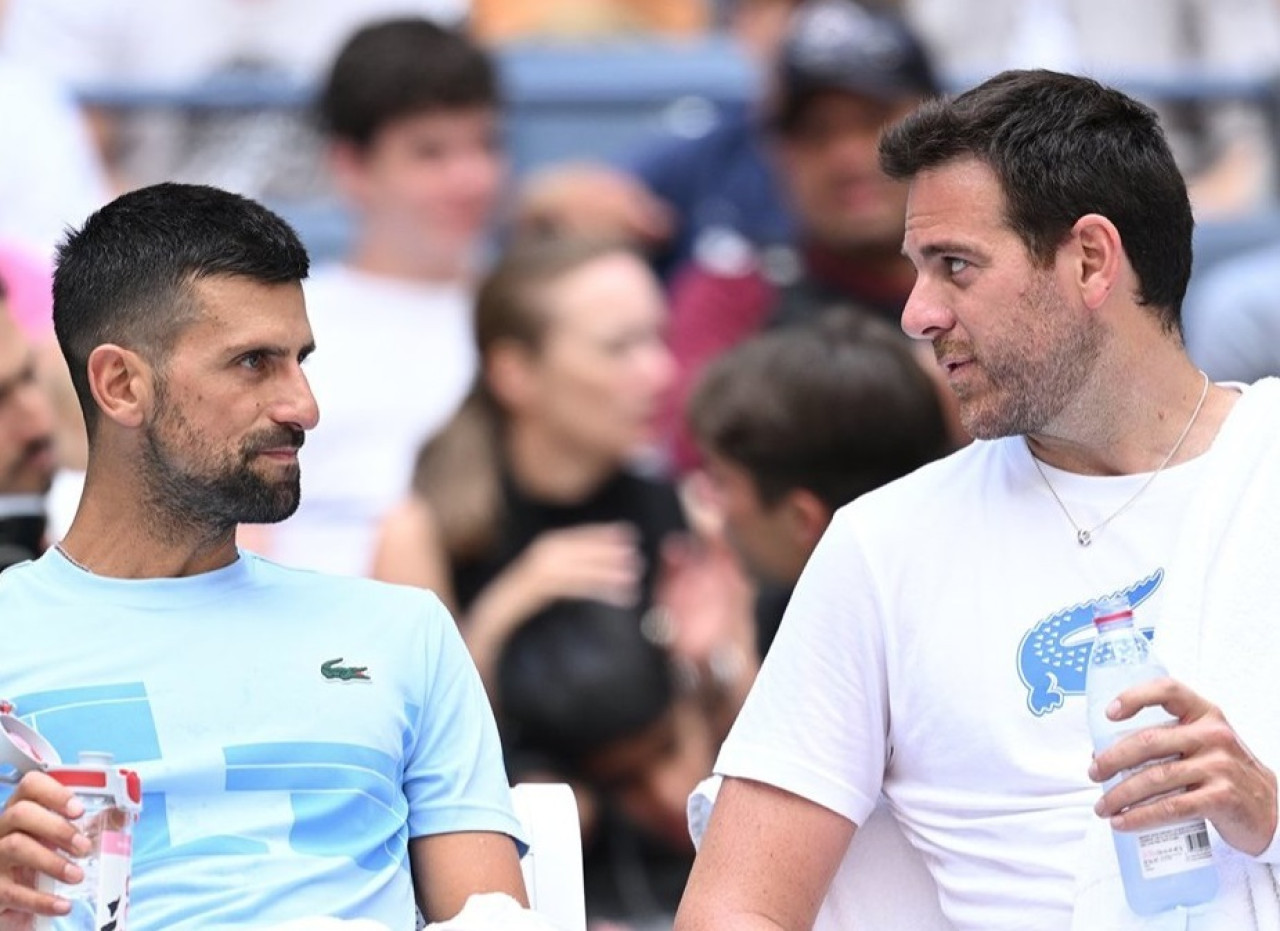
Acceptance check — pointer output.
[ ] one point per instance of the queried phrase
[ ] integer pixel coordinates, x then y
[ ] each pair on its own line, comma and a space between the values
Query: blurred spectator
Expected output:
583, 697
796, 423
158, 45
844, 73
50, 176
675, 192
502, 20
529, 496
1224, 148
1232, 317
26, 446
412, 110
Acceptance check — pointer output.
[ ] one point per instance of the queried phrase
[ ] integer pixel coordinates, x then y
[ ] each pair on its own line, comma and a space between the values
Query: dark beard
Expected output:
219, 502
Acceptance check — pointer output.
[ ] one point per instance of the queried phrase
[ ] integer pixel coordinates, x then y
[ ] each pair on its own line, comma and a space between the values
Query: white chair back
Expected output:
553, 865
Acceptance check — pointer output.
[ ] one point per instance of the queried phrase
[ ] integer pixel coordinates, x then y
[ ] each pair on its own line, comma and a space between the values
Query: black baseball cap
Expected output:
841, 45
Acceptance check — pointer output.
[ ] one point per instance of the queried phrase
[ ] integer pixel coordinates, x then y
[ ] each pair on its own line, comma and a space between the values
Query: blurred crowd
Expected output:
605, 409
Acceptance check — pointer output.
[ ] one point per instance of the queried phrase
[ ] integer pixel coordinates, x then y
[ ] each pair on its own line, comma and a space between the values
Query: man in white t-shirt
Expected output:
308, 745
412, 113
934, 647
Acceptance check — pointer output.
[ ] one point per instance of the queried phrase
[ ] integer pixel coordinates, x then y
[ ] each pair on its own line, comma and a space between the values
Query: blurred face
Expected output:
26, 417
1014, 349
231, 408
831, 170
603, 369
763, 536
430, 181
652, 774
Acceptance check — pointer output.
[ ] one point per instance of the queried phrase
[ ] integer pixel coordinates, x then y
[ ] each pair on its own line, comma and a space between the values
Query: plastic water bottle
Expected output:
1163, 867
112, 799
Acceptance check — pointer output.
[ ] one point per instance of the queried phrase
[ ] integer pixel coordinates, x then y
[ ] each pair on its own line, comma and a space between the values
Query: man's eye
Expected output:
956, 266
251, 360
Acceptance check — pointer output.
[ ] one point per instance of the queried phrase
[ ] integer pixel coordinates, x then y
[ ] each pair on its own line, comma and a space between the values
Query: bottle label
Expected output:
1177, 848
112, 905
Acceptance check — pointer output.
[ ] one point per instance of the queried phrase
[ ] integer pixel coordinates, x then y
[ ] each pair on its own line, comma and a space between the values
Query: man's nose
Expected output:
298, 405
925, 315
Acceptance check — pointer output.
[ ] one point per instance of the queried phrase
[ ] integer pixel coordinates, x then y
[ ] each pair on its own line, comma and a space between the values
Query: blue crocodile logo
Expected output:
1053, 653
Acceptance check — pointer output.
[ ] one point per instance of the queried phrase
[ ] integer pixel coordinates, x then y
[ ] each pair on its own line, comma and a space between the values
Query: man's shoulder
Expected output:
936, 490
376, 599
14, 576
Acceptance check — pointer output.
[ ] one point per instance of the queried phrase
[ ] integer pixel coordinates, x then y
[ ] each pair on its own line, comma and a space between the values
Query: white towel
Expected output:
1221, 636
493, 911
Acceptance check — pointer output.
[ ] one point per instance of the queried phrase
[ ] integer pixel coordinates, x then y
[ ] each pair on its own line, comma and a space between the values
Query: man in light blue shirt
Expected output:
307, 745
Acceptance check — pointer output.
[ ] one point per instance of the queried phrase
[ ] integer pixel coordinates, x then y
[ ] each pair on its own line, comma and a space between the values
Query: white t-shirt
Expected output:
292, 731
393, 361
935, 648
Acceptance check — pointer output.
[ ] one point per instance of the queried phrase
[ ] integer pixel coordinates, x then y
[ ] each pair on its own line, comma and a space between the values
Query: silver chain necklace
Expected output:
71, 559
1085, 536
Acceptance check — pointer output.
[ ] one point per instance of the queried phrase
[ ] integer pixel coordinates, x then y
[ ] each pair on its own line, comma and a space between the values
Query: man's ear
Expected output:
122, 384
1098, 257
807, 515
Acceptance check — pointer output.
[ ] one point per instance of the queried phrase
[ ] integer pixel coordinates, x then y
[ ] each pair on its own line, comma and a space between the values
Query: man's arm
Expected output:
450, 868
765, 863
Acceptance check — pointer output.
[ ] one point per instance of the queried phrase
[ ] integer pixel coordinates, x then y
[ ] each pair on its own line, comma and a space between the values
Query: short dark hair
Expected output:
126, 275
578, 677
396, 68
837, 407
1064, 146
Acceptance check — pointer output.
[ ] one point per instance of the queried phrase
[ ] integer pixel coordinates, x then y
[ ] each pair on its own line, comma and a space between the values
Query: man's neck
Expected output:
1132, 426
392, 260
878, 276
115, 536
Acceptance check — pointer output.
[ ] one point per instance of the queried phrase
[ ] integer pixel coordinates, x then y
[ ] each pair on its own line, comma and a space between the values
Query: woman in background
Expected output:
531, 495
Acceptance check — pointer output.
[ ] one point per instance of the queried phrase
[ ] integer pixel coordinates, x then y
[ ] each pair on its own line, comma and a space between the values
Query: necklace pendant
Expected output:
1084, 537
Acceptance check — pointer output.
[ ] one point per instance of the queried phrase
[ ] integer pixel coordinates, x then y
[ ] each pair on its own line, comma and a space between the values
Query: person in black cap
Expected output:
844, 71
674, 190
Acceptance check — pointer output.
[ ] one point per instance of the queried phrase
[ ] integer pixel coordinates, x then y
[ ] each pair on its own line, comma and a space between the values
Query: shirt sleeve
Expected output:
454, 777
816, 721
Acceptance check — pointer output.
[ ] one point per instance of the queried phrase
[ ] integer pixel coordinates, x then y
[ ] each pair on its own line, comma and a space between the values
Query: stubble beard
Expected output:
1024, 393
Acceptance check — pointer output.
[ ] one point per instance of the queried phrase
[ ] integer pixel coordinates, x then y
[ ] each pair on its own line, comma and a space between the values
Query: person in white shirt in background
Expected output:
412, 111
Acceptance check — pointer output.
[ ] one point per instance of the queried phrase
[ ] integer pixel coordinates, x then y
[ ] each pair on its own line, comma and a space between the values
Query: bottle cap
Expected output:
22, 750
91, 777
1110, 610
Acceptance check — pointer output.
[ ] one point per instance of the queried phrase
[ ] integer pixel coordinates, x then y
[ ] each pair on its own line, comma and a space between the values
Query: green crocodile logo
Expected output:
331, 670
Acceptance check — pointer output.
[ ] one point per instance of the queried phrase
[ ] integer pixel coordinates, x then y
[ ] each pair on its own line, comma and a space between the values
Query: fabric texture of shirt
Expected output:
292, 731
